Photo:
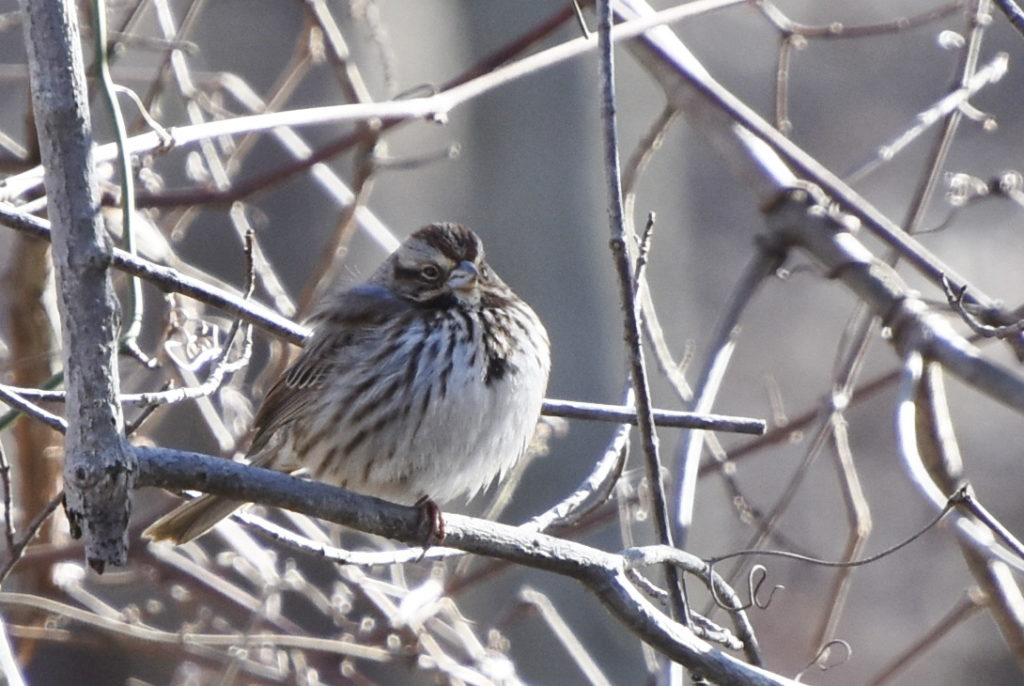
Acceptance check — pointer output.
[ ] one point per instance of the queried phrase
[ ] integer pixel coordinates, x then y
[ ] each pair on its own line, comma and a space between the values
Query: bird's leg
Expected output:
431, 520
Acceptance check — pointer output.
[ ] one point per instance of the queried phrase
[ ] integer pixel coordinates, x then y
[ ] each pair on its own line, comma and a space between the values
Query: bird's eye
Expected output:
430, 272
485, 272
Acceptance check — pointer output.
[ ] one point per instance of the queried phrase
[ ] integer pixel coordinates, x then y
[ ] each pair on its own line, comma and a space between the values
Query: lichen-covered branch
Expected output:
98, 469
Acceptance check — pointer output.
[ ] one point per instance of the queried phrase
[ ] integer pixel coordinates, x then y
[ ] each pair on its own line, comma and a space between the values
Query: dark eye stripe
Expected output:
411, 274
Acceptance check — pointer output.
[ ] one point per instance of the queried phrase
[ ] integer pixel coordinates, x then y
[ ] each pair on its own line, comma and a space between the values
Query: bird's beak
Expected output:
463, 277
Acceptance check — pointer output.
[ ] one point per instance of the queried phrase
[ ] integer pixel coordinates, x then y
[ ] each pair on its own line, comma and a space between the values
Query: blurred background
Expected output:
528, 177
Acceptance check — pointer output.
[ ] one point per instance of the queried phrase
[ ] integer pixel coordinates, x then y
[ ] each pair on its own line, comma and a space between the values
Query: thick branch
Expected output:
602, 573
801, 220
98, 470
730, 124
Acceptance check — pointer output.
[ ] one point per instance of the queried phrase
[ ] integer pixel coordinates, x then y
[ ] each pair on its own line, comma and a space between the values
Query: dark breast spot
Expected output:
497, 368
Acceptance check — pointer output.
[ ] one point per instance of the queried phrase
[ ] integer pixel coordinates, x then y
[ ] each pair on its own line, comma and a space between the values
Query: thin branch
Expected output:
970, 504
1013, 13
940, 454
906, 428
953, 102
177, 559
5, 481
635, 167
765, 262
780, 434
837, 30
767, 522
792, 35
143, 632
574, 409
564, 633
173, 281
308, 158
595, 488
18, 549
955, 298
624, 269
434, 107
978, 22
637, 558
270, 531
859, 524
762, 157
965, 608
322, 273
977, 537
553, 407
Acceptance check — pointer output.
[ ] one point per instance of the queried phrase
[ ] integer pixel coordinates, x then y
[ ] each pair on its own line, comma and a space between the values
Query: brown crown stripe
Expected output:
454, 241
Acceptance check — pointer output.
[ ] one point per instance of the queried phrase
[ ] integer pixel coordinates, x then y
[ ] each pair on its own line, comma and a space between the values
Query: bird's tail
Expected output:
192, 519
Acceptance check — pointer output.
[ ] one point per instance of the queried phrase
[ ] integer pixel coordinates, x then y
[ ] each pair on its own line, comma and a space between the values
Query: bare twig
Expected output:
839, 30
793, 34
954, 101
9, 668
966, 606
14, 400
978, 22
940, 454
635, 166
764, 263
595, 489
859, 524
30, 531
971, 534
955, 298
564, 634
970, 504
718, 111
171, 280
5, 481
1013, 12
340, 646
624, 268
432, 107
574, 409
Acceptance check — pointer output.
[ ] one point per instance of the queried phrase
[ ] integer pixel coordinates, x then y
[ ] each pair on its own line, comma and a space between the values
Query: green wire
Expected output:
7, 418
130, 331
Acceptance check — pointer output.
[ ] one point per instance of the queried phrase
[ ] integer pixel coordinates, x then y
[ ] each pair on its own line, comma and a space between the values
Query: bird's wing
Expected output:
345, 321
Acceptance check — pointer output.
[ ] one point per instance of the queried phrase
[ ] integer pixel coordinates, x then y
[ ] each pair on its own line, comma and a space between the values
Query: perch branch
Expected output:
604, 574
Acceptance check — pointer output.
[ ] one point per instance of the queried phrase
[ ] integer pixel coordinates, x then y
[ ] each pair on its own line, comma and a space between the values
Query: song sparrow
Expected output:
425, 382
